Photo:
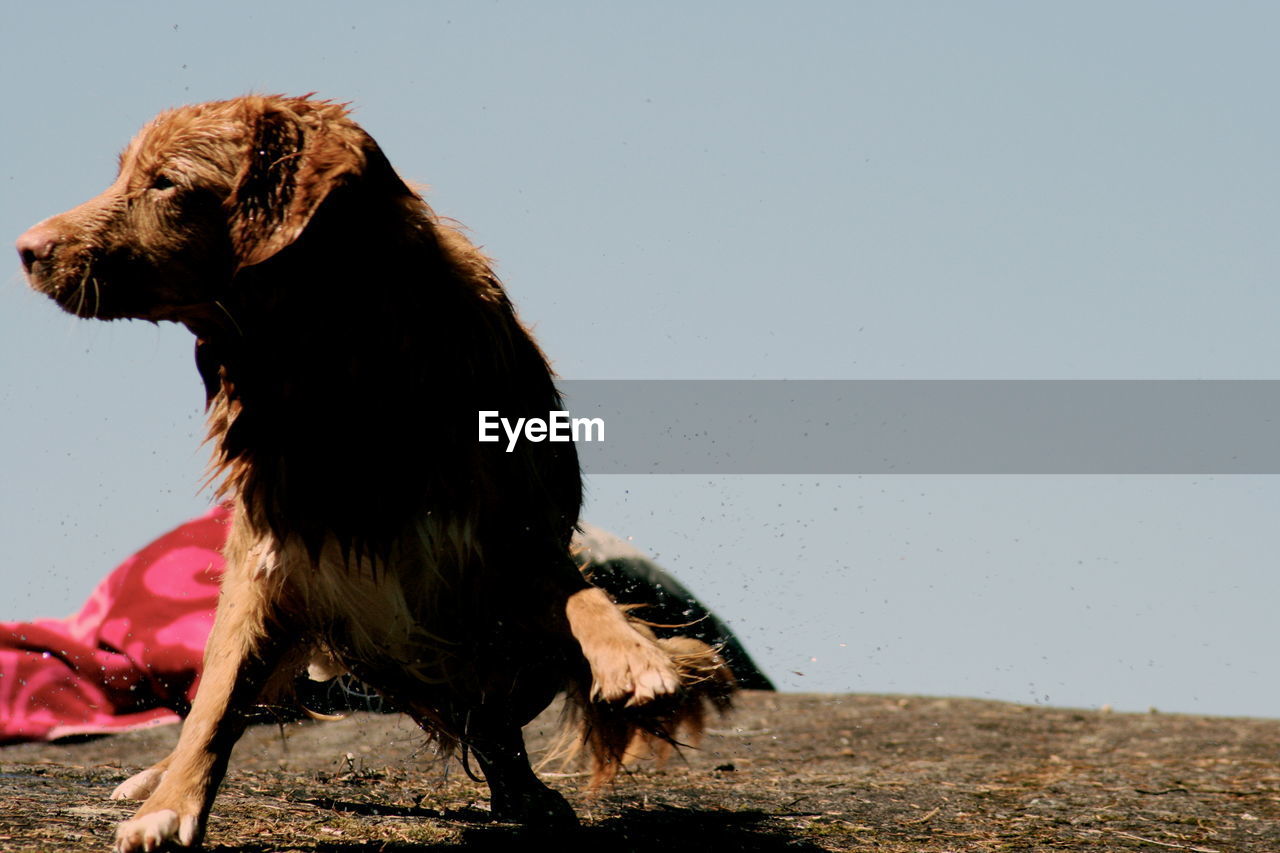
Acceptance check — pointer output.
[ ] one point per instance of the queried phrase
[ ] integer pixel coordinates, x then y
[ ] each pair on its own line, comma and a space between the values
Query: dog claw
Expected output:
652, 683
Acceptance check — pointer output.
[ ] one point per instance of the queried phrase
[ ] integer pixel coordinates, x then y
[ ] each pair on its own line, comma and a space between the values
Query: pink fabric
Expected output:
131, 657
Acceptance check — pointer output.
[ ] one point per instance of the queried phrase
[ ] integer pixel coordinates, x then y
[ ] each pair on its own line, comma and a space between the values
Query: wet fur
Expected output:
346, 337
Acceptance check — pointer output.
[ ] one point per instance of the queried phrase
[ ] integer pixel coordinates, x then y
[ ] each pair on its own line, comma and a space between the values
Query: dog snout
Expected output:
36, 244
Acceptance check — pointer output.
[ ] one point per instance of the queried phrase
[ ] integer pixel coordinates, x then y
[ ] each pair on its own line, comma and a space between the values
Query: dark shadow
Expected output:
469, 814
667, 830
376, 809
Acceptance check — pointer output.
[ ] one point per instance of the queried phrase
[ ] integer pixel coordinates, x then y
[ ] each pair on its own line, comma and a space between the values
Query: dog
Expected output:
347, 337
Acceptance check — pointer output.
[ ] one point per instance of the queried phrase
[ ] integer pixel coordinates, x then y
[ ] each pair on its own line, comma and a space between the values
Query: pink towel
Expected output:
131, 656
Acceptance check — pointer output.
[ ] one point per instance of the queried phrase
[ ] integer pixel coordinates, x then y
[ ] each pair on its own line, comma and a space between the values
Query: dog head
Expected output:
202, 192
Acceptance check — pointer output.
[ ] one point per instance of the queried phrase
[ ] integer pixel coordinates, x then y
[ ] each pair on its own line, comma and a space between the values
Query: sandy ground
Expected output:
784, 772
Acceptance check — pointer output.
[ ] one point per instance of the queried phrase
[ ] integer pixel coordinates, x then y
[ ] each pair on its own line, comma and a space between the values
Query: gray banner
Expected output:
929, 427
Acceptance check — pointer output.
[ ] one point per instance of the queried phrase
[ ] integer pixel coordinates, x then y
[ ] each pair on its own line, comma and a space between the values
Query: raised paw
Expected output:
158, 830
140, 785
631, 668
625, 664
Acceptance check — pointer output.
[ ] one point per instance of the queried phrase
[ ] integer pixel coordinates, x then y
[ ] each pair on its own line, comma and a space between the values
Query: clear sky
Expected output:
750, 190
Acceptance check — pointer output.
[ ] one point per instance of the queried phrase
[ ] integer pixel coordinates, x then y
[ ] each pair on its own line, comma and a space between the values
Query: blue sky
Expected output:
831, 190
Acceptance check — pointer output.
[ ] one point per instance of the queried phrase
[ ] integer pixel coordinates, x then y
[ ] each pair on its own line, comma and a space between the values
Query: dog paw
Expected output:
139, 786
635, 670
158, 830
539, 808
625, 664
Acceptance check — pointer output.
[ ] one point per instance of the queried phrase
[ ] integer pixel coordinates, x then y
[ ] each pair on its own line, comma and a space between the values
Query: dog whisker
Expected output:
229, 316
80, 294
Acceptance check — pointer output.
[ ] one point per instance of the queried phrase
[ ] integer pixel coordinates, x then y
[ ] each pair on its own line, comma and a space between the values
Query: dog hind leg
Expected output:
625, 664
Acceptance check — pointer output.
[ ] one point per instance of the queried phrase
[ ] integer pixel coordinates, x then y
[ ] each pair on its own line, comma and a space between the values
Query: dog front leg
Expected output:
239, 659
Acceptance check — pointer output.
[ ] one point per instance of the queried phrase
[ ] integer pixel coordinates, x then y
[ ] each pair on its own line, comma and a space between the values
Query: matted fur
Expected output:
611, 739
346, 338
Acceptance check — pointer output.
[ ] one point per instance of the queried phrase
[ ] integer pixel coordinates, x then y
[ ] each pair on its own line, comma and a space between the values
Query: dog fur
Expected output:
346, 337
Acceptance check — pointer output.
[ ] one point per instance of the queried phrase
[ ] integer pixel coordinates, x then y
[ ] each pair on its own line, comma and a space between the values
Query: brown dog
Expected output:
347, 339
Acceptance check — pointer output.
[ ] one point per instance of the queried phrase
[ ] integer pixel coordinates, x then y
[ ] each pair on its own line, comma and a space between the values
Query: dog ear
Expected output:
290, 168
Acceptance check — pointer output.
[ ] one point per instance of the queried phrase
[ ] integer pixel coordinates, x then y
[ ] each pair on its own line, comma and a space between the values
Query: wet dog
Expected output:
347, 338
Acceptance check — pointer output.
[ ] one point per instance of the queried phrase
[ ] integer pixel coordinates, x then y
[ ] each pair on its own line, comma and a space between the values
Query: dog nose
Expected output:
36, 244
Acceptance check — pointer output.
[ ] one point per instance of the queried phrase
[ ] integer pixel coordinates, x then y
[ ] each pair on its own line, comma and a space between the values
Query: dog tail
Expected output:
612, 735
